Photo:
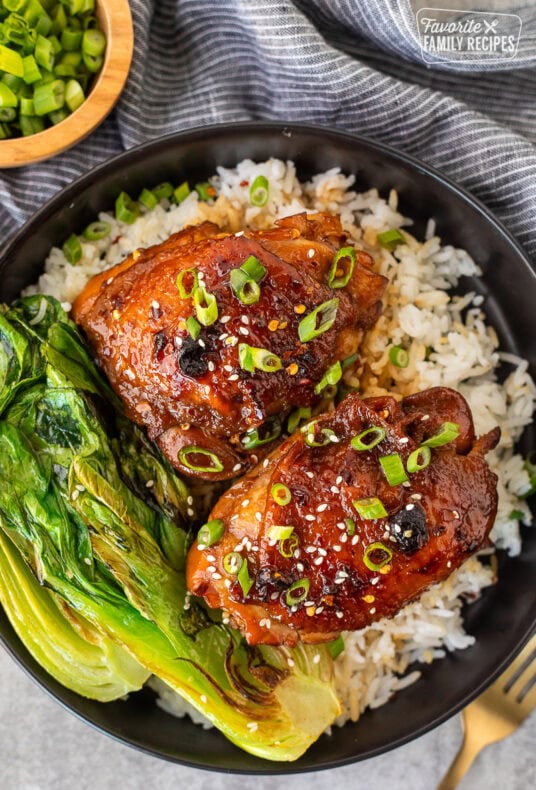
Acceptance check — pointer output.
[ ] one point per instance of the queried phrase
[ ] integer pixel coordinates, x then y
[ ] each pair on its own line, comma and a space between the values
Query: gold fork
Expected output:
496, 713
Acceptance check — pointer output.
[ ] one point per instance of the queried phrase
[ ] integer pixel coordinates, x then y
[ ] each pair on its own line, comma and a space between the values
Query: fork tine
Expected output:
519, 666
527, 695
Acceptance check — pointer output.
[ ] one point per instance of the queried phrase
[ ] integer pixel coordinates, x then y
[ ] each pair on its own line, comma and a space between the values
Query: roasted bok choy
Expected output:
94, 529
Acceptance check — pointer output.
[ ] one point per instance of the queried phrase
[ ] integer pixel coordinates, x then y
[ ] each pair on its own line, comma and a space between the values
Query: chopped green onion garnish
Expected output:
244, 579
126, 210
253, 268
210, 532
31, 70
372, 551
303, 413
97, 230
530, 468
93, 63
93, 42
271, 429
11, 61
43, 53
215, 463
393, 469
31, 124
281, 494
370, 508
205, 190
311, 437
182, 192
163, 191
350, 525
9, 113
446, 434
259, 191
148, 199
369, 438
332, 375
251, 358
232, 562
72, 249
193, 327
318, 321
516, 514
390, 239
247, 290
280, 533
399, 356
191, 276
206, 306
49, 97
71, 39
7, 97
74, 95
297, 592
349, 361
288, 546
342, 267
419, 459
336, 647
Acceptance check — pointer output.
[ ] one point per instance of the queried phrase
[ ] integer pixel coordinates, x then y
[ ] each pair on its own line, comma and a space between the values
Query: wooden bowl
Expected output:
116, 22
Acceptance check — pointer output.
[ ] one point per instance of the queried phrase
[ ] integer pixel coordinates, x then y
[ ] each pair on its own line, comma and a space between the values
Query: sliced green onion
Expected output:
205, 190
232, 562
31, 124
215, 463
93, 42
350, 526
182, 192
311, 437
97, 230
163, 191
342, 267
318, 321
253, 437
148, 199
74, 95
72, 249
530, 467
59, 19
71, 58
332, 375
390, 239
288, 546
370, 508
9, 113
280, 533
246, 289
49, 97
31, 70
206, 306
64, 70
244, 579
126, 210
349, 360
184, 292
43, 53
399, 356
281, 494
516, 514
374, 549
71, 39
446, 434
193, 327
253, 268
211, 532
336, 647
11, 61
7, 97
297, 592
419, 459
93, 63
259, 191
56, 45
303, 413
251, 358
393, 469
369, 438
58, 115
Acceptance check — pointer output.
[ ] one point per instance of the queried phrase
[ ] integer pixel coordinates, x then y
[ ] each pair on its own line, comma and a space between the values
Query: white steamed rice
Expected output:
450, 344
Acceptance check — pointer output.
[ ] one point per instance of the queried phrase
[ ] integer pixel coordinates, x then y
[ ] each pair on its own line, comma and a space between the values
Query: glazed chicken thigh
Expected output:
211, 338
349, 519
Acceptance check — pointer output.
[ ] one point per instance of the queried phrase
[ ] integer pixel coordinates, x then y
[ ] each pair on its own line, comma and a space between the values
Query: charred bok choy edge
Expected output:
74, 501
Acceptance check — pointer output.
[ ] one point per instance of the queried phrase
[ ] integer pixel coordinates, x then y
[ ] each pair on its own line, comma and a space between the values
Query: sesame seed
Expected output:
202, 342
228, 368
211, 568
155, 305
310, 475
392, 538
375, 580
227, 582
149, 484
449, 564
87, 560
274, 595
355, 540
425, 417
410, 507
252, 726
318, 560
341, 525
239, 233
338, 481
319, 609
243, 330
225, 620
299, 567
397, 528
310, 517
408, 533
207, 389
211, 366
224, 319
109, 281
223, 336
234, 377
416, 496
244, 319
211, 558
334, 439
75, 495
233, 518
339, 581
321, 508
336, 547
237, 467
265, 463
178, 342
294, 609
323, 552
344, 537
406, 484
310, 549
339, 614
201, 546
190, 500
311, 253
455, 514
373, 610
334, 490
258, 516
216, 576
290, 662
342, 574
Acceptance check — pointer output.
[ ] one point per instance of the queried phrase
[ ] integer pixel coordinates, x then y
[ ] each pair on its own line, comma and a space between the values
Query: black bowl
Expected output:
506, 614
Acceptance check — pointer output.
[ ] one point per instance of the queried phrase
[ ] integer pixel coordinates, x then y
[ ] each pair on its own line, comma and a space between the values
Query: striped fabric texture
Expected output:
351, 64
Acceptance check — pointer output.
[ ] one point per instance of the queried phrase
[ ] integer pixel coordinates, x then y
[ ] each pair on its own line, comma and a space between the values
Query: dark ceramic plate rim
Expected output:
70, 193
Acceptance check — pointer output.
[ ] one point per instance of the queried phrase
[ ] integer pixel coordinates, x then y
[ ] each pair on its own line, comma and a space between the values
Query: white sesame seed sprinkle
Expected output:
375, 580
318, 560
201, 342
373, 610
425, 417
190, 500
334, 490
244, 319
149, 484
252, 726
216, 576
211, 366
234, 377
344, 537
336, 547
211, 568
416, 496
290, 662
258, 515
310, 475
211, 558
237, 467
274, 596
224, 319
155, 305
319, 610
299, 567
322, 507
404, 440
339, 614
338, 481
310, 549
341, 525
449, 564
354, 540
322, 552
410, 507
243, 330
228, 368
310, 517
224, 336
310, 253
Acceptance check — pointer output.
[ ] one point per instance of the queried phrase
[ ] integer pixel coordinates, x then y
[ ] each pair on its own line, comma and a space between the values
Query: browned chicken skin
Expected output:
434, 521
193, 396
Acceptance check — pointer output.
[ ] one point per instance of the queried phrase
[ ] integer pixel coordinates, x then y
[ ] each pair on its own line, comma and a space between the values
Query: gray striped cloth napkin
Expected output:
352, 64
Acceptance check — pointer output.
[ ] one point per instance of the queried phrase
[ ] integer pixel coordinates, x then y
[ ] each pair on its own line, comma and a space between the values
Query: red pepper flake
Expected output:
244, 183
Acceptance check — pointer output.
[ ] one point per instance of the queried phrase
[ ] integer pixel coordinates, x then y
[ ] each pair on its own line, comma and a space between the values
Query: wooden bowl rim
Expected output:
116, 19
